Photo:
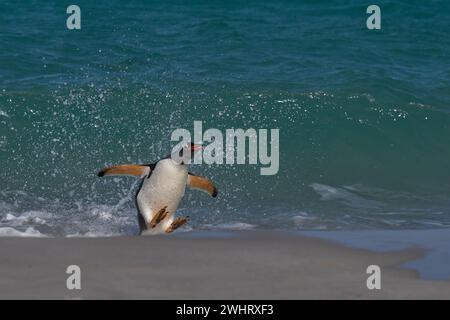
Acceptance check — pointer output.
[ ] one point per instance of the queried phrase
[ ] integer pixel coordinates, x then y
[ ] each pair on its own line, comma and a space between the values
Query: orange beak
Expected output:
196, 147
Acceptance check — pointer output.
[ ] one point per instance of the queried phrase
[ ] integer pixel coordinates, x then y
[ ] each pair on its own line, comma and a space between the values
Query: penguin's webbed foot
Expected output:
159, 216
178, 222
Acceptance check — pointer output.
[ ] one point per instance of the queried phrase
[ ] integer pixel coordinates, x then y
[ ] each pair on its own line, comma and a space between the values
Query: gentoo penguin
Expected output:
161, 189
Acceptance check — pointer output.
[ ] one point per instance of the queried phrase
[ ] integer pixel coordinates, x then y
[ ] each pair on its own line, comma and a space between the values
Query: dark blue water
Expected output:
364, 115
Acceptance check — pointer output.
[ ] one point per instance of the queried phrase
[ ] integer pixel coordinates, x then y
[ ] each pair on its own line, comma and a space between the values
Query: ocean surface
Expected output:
364, 115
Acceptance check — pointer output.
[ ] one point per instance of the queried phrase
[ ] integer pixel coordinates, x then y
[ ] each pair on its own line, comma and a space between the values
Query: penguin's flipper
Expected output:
135, 170
202, 183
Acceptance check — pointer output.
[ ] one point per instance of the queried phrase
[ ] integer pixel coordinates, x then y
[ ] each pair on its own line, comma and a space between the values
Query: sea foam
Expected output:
29, 232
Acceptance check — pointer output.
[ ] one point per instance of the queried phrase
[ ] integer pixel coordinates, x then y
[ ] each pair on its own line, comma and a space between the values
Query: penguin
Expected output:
161, 189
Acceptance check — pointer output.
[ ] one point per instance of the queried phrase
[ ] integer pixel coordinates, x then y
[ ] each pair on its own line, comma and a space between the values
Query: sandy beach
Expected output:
245, 265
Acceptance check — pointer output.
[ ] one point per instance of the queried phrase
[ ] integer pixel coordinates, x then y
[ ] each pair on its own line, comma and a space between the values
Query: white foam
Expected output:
301, 219
104, 215
37, 217
29, 232
236, 226
91, 234
328, 193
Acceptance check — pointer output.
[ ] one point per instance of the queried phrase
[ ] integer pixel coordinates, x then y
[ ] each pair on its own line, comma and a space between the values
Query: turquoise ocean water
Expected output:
364, 115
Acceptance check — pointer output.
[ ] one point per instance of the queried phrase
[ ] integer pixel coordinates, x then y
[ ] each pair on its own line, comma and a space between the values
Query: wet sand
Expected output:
245, 265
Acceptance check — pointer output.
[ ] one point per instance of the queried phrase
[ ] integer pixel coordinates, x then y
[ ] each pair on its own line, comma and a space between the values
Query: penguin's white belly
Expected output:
163, 189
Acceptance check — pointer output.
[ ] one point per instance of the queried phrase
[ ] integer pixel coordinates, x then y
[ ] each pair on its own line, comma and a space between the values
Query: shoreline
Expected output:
435, 242
246, 265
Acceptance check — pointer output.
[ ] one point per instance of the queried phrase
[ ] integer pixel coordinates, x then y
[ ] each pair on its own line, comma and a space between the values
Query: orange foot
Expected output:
158, 217
178, 222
